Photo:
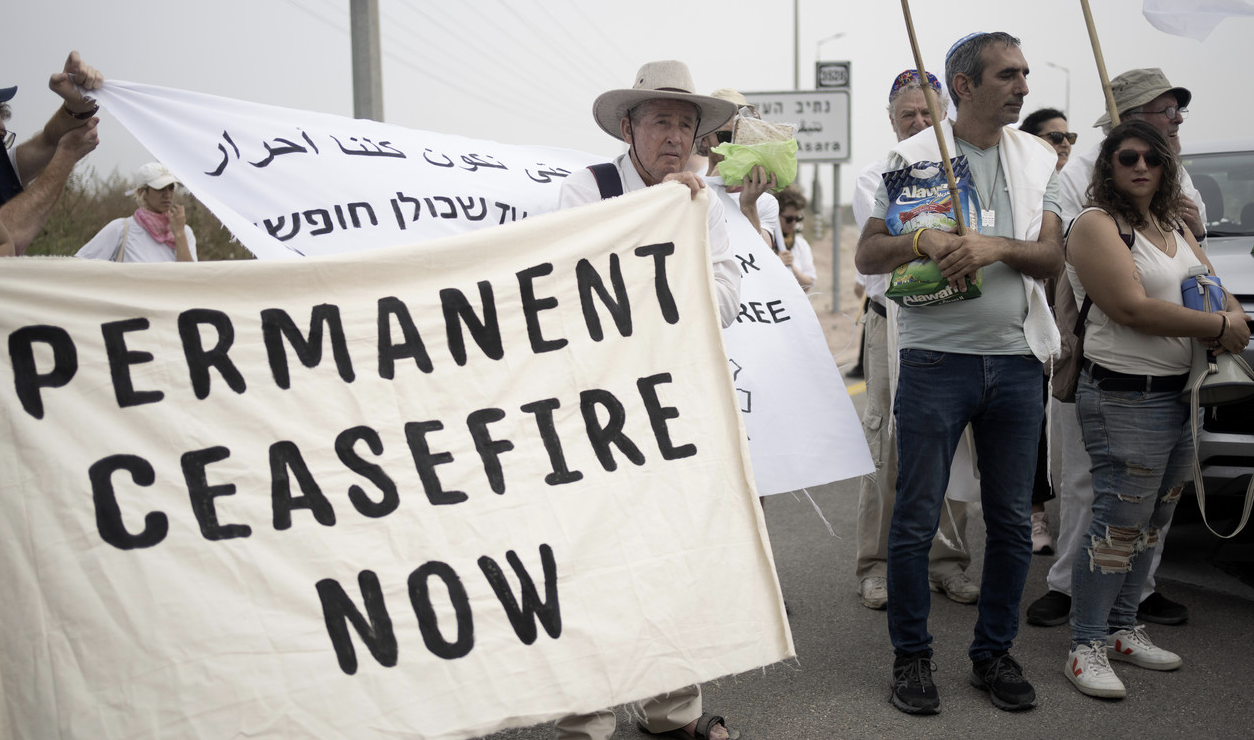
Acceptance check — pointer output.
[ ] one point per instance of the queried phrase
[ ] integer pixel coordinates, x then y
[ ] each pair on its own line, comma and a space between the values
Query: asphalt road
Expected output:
838, 685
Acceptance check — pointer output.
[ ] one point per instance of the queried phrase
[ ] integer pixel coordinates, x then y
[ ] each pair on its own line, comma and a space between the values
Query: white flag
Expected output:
1193, 18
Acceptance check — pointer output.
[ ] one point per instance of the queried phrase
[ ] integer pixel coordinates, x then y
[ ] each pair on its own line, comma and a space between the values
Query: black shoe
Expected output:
1051, 610
1161, 610
913, 690
1002, 676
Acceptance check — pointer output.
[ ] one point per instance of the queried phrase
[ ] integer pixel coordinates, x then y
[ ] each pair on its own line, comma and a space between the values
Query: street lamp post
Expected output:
1067, 72
835, 196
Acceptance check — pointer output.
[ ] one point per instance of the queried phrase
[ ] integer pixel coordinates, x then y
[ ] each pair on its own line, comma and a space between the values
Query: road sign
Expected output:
831, 75
821, 117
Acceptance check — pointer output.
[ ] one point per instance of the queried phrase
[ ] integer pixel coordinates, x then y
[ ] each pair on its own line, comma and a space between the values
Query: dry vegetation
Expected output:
89, 202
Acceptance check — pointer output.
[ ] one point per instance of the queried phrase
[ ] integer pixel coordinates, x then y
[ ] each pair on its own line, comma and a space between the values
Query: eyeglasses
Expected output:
1169, 112
9, 138
793, 219
1129, 158
1057, 137
724, 137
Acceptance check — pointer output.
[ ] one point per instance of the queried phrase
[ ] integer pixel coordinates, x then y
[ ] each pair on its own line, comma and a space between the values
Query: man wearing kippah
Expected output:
977, 362
948, 560
1144, 94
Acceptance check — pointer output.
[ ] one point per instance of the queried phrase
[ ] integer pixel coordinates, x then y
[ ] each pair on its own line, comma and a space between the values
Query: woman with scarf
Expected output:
157, 232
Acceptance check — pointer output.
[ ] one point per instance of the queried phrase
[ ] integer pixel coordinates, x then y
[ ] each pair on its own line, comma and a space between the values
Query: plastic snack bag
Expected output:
919, 198
759, 143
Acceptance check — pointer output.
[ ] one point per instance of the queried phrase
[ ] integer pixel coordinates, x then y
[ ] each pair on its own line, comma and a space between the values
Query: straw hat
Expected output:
660, 81
1138, 87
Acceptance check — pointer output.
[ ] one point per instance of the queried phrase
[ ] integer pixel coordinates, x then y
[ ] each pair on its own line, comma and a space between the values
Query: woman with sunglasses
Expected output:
1128, 253
1051, 125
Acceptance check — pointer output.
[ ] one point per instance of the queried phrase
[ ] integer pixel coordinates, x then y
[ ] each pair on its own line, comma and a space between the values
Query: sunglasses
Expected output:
1129, 158
793, 219
1057, 137
724, 137
9, 137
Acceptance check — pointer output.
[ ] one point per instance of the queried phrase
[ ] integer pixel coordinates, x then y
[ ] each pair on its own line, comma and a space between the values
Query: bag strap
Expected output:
119, 254
1199, 486
1128, 239
608, 181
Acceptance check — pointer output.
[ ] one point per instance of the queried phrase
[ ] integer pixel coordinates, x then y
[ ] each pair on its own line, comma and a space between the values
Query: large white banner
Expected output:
403, 493
291, 183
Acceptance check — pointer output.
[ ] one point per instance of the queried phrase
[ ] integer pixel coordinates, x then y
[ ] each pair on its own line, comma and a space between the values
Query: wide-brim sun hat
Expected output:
154, 175
1137, 87
668, 80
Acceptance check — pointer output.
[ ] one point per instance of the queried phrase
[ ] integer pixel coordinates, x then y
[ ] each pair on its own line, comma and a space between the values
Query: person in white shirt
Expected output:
156, 232
659, 118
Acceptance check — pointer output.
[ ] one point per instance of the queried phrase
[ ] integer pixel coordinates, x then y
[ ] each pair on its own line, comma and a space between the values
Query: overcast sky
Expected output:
527, 71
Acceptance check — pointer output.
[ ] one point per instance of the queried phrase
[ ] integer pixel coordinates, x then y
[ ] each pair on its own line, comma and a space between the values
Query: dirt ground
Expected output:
840, 327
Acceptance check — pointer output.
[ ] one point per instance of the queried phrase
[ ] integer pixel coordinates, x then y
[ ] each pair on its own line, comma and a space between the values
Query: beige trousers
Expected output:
949, 555
659, 714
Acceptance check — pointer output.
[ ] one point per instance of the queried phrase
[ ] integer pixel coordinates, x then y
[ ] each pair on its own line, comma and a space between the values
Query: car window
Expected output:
1226, 183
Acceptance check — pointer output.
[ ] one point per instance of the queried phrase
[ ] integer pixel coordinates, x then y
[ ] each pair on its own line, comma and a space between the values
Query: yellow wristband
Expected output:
915, 244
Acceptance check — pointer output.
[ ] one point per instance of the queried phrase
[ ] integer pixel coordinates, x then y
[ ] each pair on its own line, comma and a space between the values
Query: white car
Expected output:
1223, 173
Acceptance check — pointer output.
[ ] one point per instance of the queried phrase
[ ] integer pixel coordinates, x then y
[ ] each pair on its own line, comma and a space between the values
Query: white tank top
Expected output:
1120, 348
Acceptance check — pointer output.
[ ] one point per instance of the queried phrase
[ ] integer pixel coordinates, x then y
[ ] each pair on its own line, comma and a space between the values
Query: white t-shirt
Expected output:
140, 246
1126, 350
869, 181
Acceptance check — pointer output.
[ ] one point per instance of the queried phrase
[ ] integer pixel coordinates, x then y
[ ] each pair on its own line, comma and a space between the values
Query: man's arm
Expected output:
959, 256
34, 155
6, 242
879, 250
27, 212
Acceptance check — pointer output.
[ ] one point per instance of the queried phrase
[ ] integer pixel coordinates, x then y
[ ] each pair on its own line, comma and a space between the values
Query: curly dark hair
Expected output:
791, 196
1165, 205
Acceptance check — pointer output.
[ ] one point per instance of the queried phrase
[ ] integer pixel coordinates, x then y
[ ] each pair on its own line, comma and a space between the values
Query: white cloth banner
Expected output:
290, 183
1193, 18
404, 493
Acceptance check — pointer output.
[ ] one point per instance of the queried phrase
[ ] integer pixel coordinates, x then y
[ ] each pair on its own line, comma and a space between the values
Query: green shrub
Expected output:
89, 202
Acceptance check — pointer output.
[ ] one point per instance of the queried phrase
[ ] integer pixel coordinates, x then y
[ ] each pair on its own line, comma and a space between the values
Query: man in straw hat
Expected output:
659, 118
33, 174
948, 560
976, 362
1147, 95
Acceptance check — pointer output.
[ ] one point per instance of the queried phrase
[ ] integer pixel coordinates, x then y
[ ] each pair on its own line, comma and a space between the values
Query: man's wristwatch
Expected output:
81, 116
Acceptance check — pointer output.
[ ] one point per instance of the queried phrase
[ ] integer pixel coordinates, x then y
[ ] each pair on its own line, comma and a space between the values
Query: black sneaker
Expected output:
1161, 610
1051, 610
1002, 676
913, 690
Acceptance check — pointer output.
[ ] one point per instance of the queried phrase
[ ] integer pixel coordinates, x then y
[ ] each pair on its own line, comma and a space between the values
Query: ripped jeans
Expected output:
1142, 452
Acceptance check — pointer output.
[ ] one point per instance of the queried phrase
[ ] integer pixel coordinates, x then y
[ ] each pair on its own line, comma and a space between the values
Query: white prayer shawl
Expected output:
1027, 166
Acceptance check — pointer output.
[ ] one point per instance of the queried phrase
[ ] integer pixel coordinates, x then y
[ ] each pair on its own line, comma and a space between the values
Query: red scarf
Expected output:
157, 225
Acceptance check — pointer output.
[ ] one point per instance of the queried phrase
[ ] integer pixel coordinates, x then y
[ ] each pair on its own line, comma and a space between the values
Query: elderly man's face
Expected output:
910, 114
1155, 114
661, 137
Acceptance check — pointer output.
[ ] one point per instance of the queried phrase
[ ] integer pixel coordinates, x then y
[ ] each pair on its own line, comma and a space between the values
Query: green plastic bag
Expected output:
778, 157
919, 283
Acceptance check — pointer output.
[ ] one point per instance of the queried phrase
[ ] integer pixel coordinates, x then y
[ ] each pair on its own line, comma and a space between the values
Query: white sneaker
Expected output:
957, 587
1134, 646
873, 592
1091, 673
1042, 543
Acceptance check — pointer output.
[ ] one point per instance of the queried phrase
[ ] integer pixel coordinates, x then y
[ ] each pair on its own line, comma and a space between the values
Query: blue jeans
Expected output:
938, 394
1142, 452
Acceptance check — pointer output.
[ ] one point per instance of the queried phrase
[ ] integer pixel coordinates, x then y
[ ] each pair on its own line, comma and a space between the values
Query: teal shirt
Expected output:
993, 323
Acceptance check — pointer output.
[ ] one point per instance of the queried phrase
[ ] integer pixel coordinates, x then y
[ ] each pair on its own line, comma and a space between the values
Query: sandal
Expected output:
704, 723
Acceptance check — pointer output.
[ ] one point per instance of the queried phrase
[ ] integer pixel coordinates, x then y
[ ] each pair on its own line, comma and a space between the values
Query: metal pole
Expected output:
367, 60
835, 237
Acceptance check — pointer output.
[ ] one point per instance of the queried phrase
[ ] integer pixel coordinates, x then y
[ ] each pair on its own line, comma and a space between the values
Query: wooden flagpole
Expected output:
934, 110
1101, 64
